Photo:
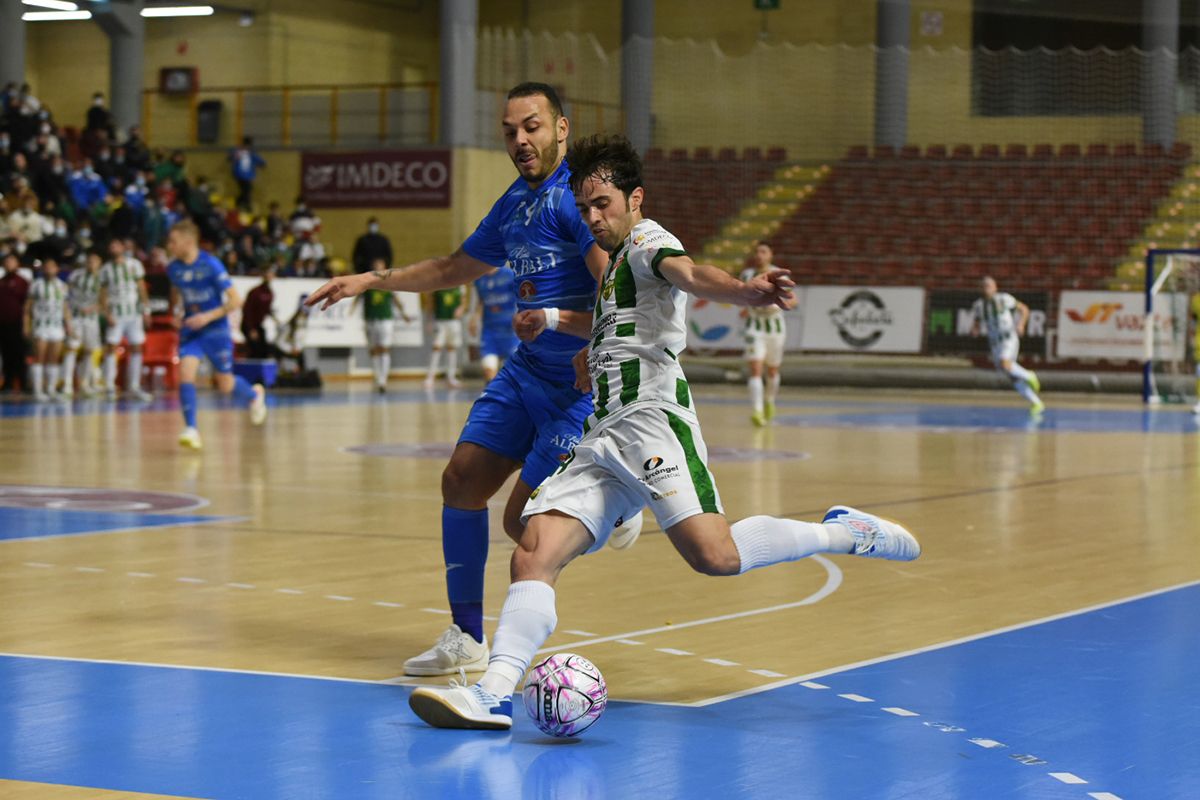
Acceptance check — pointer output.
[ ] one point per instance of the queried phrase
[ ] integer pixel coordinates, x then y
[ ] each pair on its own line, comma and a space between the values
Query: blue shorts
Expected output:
523, 416
216, 346
498, 341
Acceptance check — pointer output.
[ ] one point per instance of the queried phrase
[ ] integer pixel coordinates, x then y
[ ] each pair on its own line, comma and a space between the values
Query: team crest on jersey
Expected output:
609, 287
527, 291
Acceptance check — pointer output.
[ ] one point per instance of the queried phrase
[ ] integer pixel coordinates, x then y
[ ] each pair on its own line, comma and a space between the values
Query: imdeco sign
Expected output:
376, 179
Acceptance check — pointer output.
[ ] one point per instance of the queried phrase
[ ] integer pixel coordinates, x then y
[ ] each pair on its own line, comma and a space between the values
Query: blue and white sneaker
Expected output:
459, 706
875, 537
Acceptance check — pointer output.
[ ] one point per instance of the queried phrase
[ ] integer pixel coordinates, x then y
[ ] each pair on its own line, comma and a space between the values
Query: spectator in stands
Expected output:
6, 153
136, 152
26, 224
56, 245
99, 118
13, 292
85, 187
303, 220
371, 247
275, 223
245, 164
256, 310
154, 228
50, 182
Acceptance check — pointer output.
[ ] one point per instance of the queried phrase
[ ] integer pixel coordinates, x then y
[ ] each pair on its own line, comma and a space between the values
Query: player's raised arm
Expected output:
444, 272
712, 283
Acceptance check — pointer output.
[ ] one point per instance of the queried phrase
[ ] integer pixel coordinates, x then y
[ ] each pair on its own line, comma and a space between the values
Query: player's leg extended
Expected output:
1024, 381
189, 364
253, 397
550, 542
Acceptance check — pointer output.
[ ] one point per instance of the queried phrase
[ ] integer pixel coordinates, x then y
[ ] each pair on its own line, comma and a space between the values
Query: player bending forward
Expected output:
994, 311
200, 281
765, 335
642, 444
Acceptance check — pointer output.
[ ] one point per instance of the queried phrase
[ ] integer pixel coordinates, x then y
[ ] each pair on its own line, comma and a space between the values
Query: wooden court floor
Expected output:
312, 546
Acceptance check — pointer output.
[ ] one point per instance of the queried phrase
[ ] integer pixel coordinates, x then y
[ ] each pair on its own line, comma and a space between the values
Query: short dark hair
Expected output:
533, 89
764, 243
610, 158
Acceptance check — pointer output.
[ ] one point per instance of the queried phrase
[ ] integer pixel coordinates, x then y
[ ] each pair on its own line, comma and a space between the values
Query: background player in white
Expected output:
448, 308
47, 320
380, 310
994, 315
126, 306
83, 298
765, 335
642, 445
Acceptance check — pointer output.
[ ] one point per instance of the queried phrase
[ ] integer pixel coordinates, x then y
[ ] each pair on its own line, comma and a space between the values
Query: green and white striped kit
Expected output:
122, 278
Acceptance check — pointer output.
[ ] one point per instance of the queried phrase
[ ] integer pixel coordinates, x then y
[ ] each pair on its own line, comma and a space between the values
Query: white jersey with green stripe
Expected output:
122, 279
762, 319
49, 303
995, 313
639, 328
83, 291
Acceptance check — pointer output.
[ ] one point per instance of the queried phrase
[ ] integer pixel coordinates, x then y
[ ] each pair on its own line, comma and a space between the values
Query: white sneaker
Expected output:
428, 384
453, 383
258, 406
141, 395
110, 394
626, 533
40, 397
875, 537
190, 438
1196, 409
453, 651
458, 706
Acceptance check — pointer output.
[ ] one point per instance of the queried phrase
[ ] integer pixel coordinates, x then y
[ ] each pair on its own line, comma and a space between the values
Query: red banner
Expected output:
376, 179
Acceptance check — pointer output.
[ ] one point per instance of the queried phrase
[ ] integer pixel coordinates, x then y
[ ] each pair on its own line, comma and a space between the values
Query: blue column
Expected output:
459, 31
126, 31
892, 31
12, 42
1160, 40
637, 70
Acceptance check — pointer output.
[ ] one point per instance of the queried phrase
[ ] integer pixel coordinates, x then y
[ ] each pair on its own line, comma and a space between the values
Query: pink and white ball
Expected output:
565, 695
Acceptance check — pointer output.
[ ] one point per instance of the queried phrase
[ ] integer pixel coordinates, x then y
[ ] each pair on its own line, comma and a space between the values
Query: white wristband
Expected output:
552, 315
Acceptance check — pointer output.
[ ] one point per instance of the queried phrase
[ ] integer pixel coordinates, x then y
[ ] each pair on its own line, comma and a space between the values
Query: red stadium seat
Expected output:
776, 154
1016, 151
1043, 151
962, 152
935, 151
989, 151
1097, 150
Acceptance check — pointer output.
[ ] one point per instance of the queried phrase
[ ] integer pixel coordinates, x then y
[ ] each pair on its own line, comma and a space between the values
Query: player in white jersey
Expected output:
47, 320
994, 316
83, 298
126, 307
642, 445
765, 334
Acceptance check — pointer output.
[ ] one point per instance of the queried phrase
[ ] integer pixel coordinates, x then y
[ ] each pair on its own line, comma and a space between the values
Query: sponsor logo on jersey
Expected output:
527, 290
655, 471
652, 464
609, 287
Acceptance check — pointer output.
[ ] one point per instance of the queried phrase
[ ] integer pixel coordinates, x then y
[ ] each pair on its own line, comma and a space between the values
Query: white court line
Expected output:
856, 698
435, 611
813, 685
89, 569
290, 591
988, 743
804, 679
766, 673
1066, 777
386, 604
39, 564
140, 574
1103, 796
340, 597
631, 642
901, 712
720, 662
580, 633
671, 651
235, 585
190, 580
832, 582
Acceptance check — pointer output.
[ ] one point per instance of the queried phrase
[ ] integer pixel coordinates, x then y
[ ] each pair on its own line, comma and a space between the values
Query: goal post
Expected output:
1172, 280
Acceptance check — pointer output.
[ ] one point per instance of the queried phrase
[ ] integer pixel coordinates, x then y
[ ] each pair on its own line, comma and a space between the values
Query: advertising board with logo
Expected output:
715, 327
863, 319
1111, 325
951, 321
340, 325
376, 179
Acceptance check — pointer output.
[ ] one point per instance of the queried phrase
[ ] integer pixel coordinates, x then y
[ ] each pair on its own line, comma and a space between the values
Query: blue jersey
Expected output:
498, 298
539, 235
202, 284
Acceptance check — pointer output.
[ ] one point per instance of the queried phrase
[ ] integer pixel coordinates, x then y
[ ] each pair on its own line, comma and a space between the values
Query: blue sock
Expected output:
243, 392
187, 401
465, 548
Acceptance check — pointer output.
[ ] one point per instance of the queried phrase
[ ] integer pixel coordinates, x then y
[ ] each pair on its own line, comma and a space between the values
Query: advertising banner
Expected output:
1110, 325
376, 179
863, 319
950, 323
714, 327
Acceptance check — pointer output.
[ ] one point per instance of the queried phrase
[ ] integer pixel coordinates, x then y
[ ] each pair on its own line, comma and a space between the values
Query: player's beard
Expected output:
547, 161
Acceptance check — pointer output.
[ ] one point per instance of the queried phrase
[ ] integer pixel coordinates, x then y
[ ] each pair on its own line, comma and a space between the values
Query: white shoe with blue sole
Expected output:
875, 537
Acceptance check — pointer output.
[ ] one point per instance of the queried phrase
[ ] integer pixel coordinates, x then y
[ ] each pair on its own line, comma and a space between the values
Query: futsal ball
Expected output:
565, 695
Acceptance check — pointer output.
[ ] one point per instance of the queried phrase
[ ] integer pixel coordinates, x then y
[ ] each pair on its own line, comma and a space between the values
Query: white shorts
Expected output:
85, 333
379, 333
447, 334
1005, 349
767, 347
49, 333
650, 455
128, 328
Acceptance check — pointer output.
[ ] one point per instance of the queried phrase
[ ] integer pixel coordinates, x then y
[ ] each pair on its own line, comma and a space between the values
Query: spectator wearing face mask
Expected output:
303, 220
136, 152
99, 118
26, 224
85, 187
370, 248
50, 181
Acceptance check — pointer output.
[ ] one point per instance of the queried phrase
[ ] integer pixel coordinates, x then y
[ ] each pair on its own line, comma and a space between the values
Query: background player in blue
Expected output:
200, 281
531, 415
496, 297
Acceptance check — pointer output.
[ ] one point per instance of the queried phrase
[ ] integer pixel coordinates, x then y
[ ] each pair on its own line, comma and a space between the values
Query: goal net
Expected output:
1172, 282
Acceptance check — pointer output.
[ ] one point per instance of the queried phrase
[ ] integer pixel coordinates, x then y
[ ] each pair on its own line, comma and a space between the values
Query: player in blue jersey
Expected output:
496, 298
202, 297
531, 415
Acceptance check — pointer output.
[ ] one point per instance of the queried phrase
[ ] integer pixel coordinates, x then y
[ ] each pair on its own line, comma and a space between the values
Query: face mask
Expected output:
46, 129
60, 231
373, 228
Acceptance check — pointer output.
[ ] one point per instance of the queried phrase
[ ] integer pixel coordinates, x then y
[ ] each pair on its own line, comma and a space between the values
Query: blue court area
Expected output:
44, 523
1099, 704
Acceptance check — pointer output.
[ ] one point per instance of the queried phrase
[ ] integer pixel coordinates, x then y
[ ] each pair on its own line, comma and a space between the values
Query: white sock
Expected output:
35, 378
1018, 372
385, 366
86, 371
133, 381
526, 622
1026, 391
434, 360
69, 372
756, 394
452, 365
762, 541
52, 374
772, 387
110, 371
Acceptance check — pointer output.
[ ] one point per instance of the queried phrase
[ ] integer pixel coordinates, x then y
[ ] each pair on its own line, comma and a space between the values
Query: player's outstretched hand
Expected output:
583, 379
529, 324
339, 288
773, 288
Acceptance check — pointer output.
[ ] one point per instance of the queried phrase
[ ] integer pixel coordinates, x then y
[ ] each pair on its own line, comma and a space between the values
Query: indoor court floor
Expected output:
232, 624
